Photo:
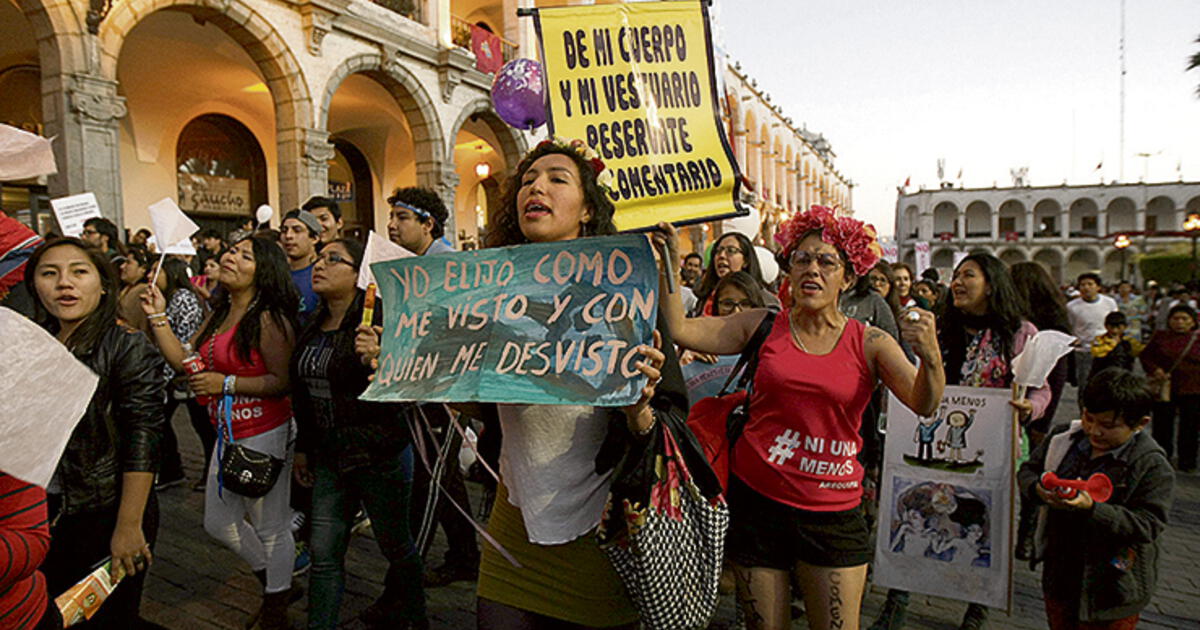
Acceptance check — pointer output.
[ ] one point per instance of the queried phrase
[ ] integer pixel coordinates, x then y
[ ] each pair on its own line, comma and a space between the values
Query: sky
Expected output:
988, 86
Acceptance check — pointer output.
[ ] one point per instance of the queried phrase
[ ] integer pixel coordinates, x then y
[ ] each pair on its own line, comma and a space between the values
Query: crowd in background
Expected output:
274, 318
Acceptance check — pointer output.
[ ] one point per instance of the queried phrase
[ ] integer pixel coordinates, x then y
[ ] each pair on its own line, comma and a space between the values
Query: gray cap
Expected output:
307, 218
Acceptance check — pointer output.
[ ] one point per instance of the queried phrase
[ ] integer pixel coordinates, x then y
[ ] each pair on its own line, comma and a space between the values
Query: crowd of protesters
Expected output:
275, 319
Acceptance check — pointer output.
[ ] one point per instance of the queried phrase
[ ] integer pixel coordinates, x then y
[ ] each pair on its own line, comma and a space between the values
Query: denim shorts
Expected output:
766, 533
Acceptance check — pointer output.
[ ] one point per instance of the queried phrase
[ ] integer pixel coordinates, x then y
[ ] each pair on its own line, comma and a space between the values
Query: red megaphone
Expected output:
1099, 486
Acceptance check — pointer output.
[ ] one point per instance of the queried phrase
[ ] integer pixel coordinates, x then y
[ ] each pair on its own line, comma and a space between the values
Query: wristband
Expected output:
647, 430
230, 383
156, 316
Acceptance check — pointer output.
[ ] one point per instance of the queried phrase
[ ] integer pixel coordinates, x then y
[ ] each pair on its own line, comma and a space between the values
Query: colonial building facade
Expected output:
1069, 229
228, 104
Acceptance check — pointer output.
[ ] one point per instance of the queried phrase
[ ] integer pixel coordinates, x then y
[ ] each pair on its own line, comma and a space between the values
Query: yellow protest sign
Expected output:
635, 82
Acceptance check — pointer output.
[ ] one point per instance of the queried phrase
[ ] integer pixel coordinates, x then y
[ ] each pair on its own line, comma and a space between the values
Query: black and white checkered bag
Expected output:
664, 530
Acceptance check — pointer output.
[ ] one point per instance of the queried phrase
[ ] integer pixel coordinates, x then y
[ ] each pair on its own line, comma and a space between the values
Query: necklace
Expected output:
793, 328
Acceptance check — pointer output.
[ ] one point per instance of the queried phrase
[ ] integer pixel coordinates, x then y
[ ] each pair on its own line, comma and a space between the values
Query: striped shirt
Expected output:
24, 541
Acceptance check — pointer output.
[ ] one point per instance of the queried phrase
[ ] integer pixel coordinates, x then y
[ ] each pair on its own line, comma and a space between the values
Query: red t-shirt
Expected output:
25, 538
801, 443
252, 415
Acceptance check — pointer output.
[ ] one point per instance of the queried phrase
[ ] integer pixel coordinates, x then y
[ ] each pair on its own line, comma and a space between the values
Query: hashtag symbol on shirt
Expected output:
784, 447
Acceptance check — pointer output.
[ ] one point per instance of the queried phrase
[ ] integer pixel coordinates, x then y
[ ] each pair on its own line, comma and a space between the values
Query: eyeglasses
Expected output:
332, 258
728, 250
826, 262
90, 231
730, 305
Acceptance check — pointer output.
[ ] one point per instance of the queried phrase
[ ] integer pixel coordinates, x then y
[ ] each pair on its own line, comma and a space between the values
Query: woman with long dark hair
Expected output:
817, 370
351, 452
732, 252
1046, 308
101, 500
185, 313
246, 345
1173, 358
551, 494
981, 330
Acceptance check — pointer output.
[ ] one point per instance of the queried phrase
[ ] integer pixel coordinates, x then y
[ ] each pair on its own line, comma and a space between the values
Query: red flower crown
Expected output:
857, 240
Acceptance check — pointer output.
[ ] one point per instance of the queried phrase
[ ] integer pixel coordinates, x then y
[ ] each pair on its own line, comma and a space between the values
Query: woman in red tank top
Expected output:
246, 346
795, 492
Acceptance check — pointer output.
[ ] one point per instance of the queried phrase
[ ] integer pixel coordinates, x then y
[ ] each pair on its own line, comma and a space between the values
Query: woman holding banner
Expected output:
795, 493
982, 329
350, 452
245, 346
101, 502
553, 486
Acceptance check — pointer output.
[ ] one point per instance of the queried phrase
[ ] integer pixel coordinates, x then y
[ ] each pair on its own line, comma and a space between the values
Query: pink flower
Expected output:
852, 237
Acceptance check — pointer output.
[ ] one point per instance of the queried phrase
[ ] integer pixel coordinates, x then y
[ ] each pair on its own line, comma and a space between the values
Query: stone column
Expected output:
446, 189
996, 226
88, 144
303, 166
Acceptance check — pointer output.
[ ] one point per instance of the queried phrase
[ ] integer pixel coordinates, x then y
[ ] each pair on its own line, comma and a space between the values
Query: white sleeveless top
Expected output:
547, 462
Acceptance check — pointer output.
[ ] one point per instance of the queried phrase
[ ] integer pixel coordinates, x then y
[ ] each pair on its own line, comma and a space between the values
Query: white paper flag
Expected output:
43, 400
379, 249
169, 223
1037, 358
24, 155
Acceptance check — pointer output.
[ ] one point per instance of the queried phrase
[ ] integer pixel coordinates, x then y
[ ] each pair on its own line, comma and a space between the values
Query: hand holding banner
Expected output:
545, 323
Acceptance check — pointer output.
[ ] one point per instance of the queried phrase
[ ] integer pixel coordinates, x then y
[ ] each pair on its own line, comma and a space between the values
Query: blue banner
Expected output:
544, 323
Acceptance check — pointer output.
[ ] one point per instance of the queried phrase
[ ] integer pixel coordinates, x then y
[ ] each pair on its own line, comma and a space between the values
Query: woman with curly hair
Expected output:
246, 344
553, 487
816, 372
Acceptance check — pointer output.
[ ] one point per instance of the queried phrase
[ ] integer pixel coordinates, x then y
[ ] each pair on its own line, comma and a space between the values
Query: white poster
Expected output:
945, 499
891, 250
921, 249
71, 212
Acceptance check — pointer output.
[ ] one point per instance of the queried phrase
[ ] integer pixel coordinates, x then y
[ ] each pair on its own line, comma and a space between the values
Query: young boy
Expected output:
1101, 559
1114, 348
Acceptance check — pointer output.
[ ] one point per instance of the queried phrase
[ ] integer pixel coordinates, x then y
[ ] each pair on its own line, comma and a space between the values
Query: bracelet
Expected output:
156, 316
230, 383
647, 430
160, 323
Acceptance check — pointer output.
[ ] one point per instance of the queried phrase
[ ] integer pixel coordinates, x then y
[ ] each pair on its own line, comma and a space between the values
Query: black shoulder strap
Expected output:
749, 357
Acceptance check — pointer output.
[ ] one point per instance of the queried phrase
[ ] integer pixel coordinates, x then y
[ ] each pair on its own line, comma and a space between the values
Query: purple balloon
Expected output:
518, 94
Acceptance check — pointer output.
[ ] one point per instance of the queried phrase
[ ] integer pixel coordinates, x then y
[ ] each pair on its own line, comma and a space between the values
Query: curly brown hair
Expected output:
505, 228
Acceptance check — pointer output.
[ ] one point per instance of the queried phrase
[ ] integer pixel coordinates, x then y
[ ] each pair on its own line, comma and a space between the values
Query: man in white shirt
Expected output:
1086, 314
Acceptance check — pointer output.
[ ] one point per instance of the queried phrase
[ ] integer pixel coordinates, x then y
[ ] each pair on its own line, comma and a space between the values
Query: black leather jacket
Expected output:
121, 429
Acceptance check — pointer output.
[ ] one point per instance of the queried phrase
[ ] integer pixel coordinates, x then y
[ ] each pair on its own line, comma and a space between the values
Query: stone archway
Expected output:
301, 149
512, 143
428, 138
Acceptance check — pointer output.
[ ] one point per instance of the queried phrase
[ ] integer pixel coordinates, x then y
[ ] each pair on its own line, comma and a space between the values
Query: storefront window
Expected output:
222, 174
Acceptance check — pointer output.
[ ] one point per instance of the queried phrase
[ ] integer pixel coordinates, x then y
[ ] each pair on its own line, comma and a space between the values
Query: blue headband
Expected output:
424, 214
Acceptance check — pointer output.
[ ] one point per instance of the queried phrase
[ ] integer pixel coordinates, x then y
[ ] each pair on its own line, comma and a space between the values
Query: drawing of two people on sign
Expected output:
942, 522
953, 442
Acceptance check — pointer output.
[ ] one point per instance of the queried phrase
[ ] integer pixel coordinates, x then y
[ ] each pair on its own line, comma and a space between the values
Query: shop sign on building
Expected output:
341, 191
211, 194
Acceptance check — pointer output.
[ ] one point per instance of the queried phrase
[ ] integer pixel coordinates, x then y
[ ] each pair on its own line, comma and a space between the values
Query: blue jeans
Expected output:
384, 489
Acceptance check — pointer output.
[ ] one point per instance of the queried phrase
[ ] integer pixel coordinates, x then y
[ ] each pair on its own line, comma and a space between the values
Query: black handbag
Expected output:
243, 470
